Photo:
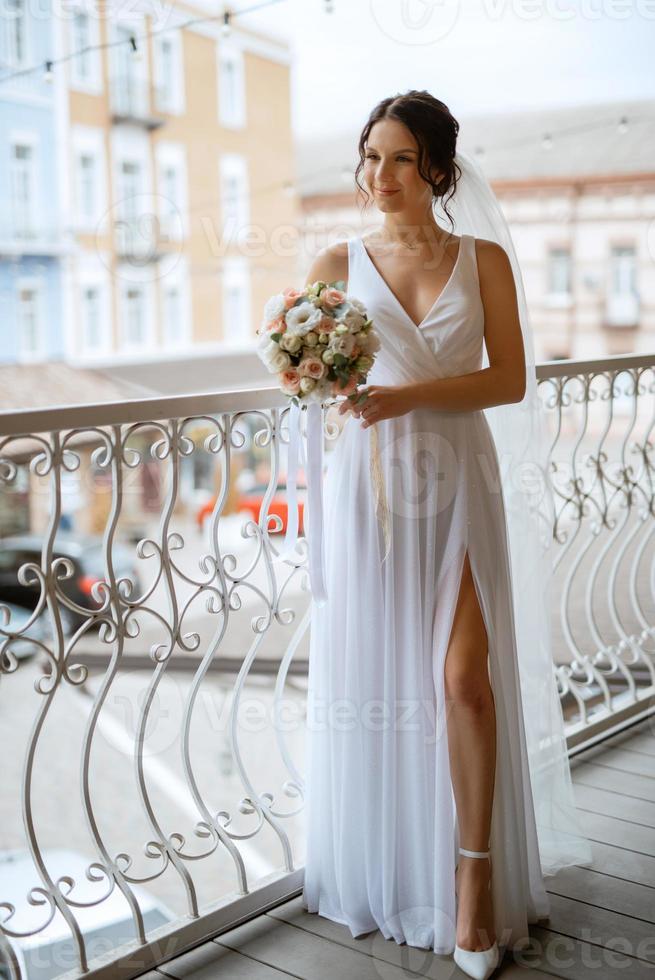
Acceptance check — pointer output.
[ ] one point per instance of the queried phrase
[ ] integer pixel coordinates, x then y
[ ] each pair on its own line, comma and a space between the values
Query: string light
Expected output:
48, 73
226, 29
547, 141
623, 124
225, 17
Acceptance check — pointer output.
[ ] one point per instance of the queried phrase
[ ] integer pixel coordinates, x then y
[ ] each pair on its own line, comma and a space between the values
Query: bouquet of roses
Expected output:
318, 341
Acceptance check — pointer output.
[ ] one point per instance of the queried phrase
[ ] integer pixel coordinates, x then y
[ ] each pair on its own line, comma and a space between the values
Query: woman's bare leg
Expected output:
471, 722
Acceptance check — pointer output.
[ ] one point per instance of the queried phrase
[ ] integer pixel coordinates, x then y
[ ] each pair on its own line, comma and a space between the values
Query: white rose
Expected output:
274, 307
278, 362
359, 306
265, 343
303, 318
343, 344
291, 342
307, 384
368, 342
352, 318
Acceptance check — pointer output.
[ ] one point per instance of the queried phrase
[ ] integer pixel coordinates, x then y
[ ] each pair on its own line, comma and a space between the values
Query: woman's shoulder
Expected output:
330, 264
492, 257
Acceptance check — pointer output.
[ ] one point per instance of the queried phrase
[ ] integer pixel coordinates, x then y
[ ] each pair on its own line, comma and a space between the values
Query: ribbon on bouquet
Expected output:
379, 491
313, 458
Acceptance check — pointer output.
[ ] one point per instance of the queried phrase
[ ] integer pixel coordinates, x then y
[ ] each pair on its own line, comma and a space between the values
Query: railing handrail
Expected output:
55, 418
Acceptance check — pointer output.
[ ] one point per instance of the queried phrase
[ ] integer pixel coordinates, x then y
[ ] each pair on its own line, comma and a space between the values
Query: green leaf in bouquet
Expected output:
340, 360
275, 337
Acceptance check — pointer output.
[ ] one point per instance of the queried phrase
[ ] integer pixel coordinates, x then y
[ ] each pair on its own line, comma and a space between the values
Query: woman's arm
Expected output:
505, 378
330, 264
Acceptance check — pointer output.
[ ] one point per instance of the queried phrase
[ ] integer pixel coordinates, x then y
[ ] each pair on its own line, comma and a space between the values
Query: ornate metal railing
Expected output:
205, 830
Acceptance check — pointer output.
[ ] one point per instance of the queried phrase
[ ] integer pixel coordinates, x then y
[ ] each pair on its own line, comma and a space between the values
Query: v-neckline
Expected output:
417, 326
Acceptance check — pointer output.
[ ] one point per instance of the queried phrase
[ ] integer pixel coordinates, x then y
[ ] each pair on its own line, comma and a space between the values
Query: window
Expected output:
129, 235
172, 190
231, 88
235, 203
89, 178
172, 316
134, 317
236, 304
623, 270
136, 310
16, 28
169, 73
30, 326
622, 308
129, 82
169, 201
92, 339
85, 73
87, 186
559, 272
82, 40
23, 188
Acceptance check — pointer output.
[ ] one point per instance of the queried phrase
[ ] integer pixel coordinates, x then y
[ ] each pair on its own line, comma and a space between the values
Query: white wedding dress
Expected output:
382, 836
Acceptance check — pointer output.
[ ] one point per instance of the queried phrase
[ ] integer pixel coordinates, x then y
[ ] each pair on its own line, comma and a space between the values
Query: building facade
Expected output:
174, 158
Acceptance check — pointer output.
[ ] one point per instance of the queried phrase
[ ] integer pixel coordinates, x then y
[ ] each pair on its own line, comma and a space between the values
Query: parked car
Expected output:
251, 500
86, 553
105, 926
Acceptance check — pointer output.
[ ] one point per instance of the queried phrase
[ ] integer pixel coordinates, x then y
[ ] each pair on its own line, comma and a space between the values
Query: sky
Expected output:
474, 55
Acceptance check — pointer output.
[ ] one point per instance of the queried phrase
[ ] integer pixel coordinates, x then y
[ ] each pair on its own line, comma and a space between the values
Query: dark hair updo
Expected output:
435, 130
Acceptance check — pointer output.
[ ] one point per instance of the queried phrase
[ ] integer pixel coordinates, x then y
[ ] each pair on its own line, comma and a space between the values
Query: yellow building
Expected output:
180, 166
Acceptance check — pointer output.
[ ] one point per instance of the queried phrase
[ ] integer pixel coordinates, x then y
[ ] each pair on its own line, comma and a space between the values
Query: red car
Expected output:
251, 500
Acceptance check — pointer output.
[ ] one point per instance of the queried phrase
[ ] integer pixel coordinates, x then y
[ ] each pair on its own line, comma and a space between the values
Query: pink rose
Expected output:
290, 381
326, 324
278, 325
347, 390
332, 297
291, 295
312, 367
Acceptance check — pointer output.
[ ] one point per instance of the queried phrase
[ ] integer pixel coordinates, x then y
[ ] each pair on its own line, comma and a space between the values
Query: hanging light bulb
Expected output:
133, 43
48, 73
226, 30
479, 151
329, 7
346, 174
547, 141
288, 188
623, 124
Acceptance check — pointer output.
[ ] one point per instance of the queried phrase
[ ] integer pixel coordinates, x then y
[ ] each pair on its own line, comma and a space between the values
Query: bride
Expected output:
438, 792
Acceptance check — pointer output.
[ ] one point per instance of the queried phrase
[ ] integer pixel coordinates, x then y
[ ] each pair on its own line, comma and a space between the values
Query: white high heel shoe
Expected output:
477, 963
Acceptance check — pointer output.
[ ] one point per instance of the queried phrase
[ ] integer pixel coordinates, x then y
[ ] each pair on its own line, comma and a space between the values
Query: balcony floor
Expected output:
602, 922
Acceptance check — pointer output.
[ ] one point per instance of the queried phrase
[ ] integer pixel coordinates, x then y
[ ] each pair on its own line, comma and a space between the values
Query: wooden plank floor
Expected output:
602, 922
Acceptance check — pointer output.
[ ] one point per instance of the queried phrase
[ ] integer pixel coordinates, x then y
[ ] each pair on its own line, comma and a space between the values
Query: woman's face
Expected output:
391, 163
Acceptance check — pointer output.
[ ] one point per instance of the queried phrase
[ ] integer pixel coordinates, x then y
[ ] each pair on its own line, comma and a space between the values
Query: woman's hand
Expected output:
381, 402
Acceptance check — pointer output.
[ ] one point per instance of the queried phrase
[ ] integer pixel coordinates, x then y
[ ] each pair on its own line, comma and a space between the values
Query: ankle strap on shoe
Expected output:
474, 854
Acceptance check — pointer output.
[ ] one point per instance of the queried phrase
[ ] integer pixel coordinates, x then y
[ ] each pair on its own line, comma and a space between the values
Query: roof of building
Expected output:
44, 385
586, 141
